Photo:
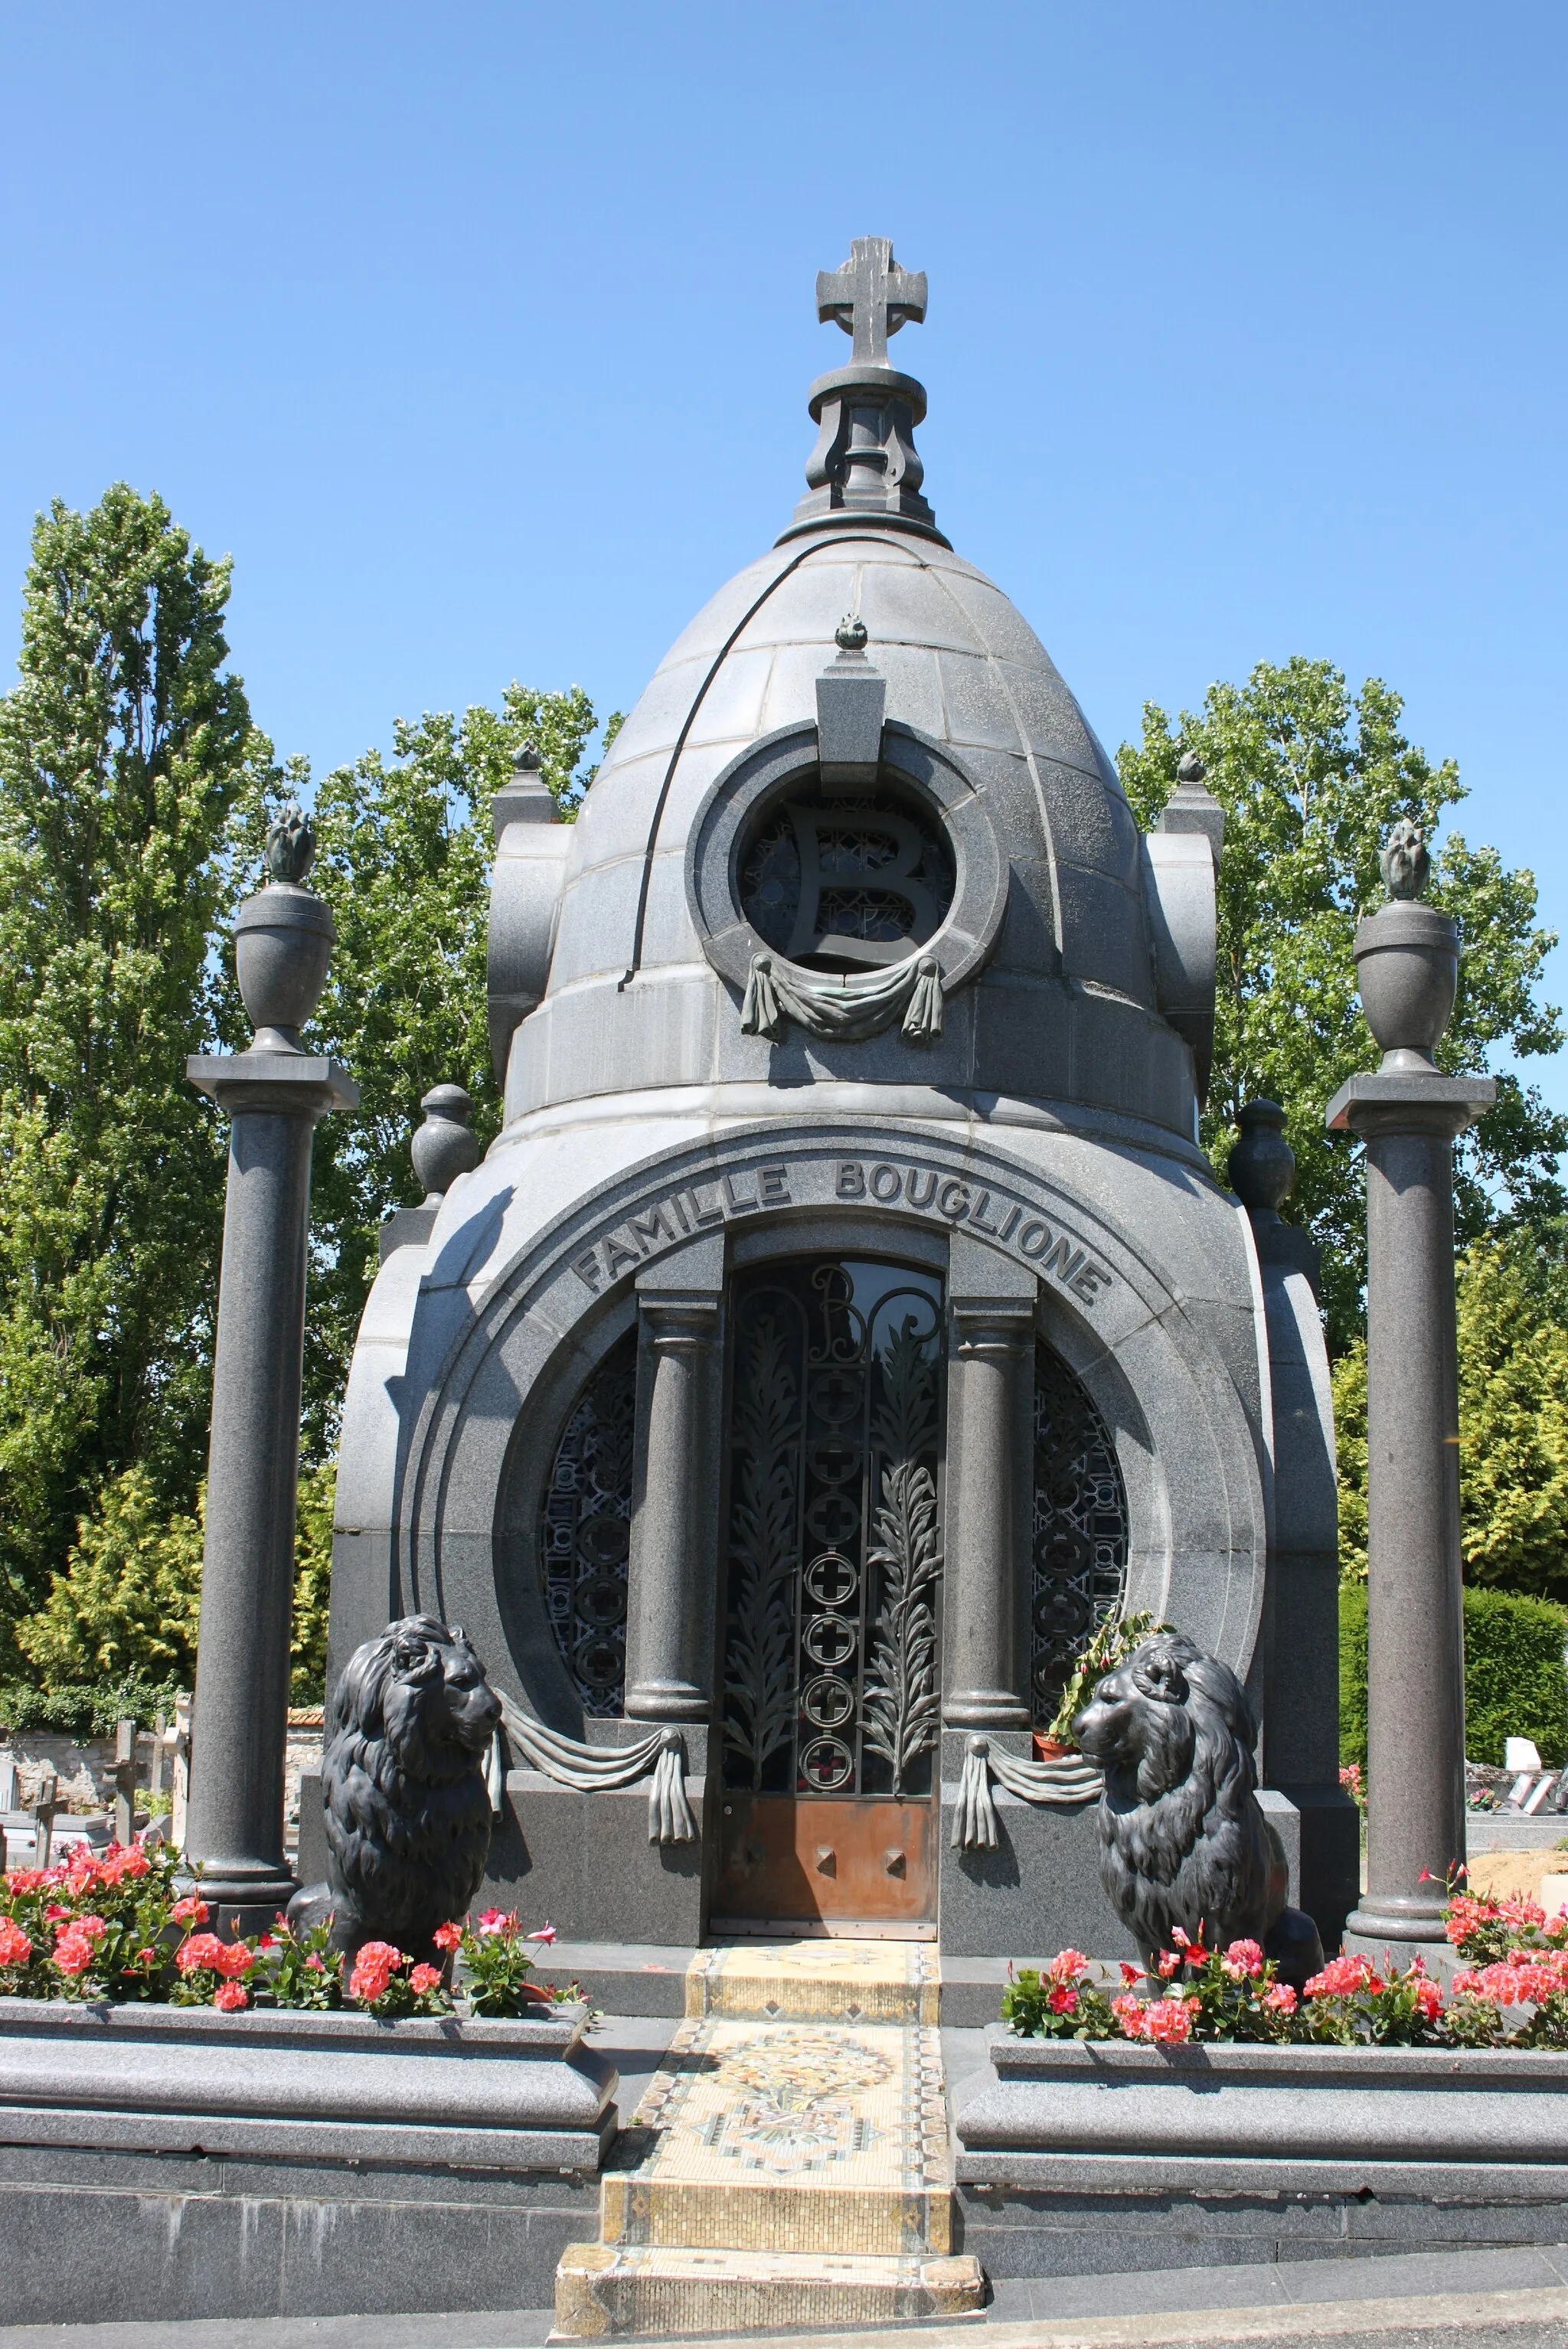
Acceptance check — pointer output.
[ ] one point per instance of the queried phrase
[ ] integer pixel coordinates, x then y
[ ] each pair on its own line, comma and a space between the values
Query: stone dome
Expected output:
1063, 1008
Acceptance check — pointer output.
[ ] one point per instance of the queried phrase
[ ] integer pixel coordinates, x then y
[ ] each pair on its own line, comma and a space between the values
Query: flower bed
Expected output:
1511, 1990
120, 1925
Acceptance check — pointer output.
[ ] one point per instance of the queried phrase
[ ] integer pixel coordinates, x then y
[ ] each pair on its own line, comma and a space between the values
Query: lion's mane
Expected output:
408, 1813
1182, 1838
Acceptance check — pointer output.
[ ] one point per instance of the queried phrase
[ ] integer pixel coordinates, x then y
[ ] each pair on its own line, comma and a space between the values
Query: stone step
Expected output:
605, 2289
654, 1977
789, 2136
826, 1981
654, 2213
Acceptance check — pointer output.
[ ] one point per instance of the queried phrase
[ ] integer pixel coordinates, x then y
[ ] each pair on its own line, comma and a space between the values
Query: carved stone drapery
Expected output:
843, 1010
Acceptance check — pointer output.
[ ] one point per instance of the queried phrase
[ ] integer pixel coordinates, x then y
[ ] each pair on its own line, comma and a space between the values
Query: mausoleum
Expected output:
846, 1319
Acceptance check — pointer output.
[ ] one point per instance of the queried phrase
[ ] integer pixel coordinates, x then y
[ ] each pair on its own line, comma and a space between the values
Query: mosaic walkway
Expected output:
790, 2155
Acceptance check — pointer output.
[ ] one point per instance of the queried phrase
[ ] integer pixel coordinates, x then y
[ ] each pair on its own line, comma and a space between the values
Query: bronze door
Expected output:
831, 1673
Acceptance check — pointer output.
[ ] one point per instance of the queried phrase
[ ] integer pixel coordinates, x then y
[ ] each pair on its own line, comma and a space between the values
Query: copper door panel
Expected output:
817, 1860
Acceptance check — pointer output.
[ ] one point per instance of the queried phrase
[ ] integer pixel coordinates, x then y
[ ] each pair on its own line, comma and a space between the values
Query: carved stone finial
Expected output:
1405, 865
446, 1145
850, 635
1262, 1164
291, 844
871, 297
528, 761
865, 461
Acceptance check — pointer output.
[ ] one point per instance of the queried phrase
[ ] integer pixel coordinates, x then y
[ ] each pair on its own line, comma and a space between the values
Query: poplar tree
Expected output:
124, 749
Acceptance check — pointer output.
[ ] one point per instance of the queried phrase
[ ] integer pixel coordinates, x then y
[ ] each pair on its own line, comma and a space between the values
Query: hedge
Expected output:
1516, 1684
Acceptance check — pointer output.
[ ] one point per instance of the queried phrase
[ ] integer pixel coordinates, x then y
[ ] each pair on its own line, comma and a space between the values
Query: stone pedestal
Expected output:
1416, 1814
273, 1099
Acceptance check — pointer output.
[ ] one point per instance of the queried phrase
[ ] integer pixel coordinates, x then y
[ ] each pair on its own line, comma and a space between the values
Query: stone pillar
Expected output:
988, 1536
274, 1096
672, 1569
1300, 1663
1408, 1115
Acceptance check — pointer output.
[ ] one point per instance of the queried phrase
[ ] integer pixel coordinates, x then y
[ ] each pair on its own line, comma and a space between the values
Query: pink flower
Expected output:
123, 1859
200, 1950
498, 1921
27, 1879
373, 1971
229, 1999
1342, 1977
1280, 1998
190, 1910
73, 1952
1131, 1974
1068, 1966
1243, 1960
1129, 2013
16, 1948
235, 1958
426, 1977
448, 1936
547, 1934
1170, 2020
1063, 2000
314, 1965
55, 1915
147, 1957
1428, 1999
1169, 1963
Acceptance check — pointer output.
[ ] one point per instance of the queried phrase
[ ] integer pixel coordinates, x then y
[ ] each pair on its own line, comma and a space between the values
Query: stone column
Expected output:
274, 1096
1408, 1115
672, 1569
988, 1536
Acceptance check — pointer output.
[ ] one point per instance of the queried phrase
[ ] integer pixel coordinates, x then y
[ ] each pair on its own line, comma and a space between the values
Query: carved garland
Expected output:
843, 1010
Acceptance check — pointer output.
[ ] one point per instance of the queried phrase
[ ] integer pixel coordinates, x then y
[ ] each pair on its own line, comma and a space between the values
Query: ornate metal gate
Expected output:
831, 1686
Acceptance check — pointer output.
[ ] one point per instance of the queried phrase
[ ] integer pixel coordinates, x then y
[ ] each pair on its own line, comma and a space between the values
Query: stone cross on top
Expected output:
871, 297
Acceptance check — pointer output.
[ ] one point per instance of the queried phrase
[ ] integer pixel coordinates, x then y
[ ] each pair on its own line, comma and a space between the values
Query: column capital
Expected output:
674, 1317
992, 1325
1408, 1101
291, 1082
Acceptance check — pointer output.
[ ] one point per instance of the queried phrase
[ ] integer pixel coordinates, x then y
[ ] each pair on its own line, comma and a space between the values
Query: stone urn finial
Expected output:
284, 939
1262, 1164
446, 1145
1407, 960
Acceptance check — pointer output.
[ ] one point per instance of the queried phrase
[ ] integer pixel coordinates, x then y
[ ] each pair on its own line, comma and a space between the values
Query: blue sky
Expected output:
480, 336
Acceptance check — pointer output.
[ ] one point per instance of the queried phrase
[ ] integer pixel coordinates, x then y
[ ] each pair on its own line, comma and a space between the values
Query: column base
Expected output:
1400, 1929
667, 1700
244, 1900
986, 1709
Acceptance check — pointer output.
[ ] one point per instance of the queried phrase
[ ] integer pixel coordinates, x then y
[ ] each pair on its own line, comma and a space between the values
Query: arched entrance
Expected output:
830, 1678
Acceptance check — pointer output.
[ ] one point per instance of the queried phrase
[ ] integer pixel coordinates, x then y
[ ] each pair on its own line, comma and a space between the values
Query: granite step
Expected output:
603, 2290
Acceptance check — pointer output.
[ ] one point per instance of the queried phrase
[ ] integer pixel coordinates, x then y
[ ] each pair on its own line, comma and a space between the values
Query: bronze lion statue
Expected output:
403, 1786
1183, 1841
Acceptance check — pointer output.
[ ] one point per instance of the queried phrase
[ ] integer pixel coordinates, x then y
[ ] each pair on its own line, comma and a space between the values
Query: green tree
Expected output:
403, 858
124, 747
126, 1607
1513, 1423
1311, 776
